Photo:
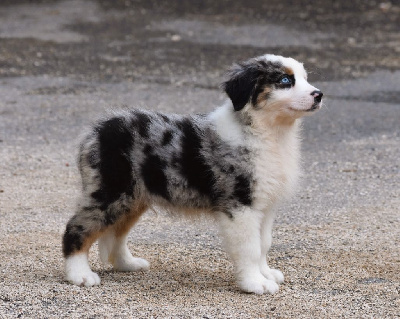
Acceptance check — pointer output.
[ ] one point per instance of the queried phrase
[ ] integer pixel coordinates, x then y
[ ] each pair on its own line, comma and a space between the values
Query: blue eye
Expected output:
286, 80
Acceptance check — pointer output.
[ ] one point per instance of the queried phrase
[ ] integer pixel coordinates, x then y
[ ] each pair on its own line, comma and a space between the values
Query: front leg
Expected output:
241, 237
266, 240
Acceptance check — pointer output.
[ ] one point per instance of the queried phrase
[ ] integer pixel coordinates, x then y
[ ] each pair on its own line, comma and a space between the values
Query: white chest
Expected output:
277, 168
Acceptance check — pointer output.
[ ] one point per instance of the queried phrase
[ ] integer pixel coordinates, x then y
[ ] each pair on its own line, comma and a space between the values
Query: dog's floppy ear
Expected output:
242, 79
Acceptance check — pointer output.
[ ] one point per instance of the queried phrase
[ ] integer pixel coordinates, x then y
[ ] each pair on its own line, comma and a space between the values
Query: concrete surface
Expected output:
63, 63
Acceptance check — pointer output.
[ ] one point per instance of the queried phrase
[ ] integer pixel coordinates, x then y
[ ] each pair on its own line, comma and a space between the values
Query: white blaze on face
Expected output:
299, 97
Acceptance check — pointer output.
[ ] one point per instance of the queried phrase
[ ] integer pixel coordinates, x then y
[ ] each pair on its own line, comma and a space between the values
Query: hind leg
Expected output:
84, 228
113, 246
82, 231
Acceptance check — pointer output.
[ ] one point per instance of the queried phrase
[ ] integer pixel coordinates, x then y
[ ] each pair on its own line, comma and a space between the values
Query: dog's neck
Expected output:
275, 128
228, 124
233, 126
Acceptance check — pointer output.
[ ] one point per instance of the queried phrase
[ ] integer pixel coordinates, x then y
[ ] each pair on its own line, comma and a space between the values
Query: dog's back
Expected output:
236, 163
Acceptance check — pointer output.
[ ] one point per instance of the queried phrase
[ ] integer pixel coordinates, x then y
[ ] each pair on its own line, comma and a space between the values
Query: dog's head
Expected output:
272, 85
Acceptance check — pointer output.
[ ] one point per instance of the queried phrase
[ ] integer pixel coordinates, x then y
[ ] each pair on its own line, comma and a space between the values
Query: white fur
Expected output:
247, 238
111, 250
299, 96
242, 241
227, 125
269, 132
115, 251
78, 271
295, 65
273, 138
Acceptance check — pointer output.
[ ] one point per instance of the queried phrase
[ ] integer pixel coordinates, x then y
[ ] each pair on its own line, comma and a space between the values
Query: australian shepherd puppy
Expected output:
235, 164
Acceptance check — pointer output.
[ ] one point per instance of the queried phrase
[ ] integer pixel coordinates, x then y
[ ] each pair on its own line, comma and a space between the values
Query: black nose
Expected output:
317, 96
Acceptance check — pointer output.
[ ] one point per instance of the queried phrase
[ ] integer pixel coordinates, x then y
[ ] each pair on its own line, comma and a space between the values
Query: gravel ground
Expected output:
63, 63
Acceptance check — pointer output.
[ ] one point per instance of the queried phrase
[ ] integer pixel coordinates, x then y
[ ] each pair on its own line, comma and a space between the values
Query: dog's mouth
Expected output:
314, 107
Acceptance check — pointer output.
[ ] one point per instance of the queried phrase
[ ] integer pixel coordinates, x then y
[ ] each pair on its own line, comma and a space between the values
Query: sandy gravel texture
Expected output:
337, 241
345, 267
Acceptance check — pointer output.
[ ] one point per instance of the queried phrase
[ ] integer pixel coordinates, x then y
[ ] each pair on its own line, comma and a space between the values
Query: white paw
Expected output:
273, 274
78, 271
131, 264
278, 276
258, 285
87, 279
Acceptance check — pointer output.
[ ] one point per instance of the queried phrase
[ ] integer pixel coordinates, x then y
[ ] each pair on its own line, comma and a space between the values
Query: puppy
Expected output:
235, 163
